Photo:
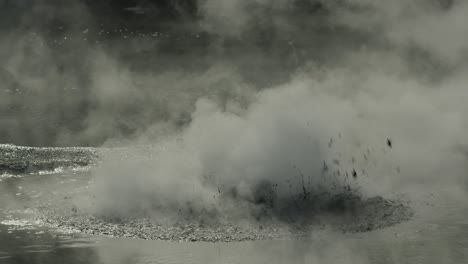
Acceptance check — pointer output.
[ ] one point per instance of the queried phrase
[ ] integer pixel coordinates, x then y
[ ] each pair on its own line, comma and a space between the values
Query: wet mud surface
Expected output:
66, 202
372, 214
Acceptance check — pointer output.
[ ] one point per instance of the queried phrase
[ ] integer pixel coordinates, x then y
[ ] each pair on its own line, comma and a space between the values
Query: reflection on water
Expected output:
438, 234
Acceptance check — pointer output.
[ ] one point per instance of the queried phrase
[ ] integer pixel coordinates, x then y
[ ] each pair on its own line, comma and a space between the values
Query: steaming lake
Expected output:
438, 233
246, 94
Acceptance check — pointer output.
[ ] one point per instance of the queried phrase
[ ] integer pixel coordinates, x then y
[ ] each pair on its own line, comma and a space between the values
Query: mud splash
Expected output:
367, 215
262, 216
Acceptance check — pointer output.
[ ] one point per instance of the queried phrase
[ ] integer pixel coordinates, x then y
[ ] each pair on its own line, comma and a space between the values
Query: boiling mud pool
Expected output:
438, 233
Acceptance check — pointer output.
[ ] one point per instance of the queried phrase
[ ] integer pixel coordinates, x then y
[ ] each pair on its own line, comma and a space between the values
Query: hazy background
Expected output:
82, 73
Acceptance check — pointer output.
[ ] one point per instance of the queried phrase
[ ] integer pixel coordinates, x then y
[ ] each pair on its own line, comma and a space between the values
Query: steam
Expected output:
436, 27
354, 73
235, 18
286, 133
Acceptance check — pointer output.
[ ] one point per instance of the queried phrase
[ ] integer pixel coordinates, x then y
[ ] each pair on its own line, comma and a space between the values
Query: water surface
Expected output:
437, 234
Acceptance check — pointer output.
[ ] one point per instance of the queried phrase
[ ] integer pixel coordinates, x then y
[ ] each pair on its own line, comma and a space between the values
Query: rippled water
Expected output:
437, 234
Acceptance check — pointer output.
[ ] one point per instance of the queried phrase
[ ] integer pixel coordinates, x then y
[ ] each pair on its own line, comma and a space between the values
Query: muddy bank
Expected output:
18, 159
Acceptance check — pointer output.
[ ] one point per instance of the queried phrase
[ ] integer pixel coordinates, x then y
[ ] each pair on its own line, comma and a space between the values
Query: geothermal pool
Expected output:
47, 216
429, 237
231, 131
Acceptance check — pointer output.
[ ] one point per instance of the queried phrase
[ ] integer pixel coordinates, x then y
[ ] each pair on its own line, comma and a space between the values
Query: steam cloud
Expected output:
259, 100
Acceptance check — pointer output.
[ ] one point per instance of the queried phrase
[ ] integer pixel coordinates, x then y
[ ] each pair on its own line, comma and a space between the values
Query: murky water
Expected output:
437, 234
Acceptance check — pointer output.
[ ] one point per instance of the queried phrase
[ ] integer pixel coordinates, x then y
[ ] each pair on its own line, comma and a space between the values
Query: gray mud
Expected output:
71, 208
371, 214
